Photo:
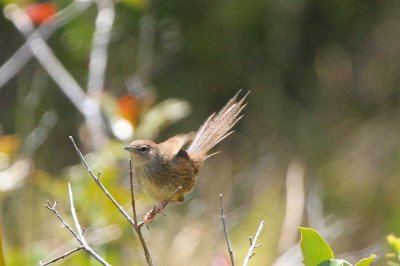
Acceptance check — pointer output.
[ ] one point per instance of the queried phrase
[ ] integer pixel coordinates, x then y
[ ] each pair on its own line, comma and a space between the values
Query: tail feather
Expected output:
218, 126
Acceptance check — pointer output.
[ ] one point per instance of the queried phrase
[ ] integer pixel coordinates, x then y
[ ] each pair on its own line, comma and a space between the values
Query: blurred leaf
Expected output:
366, 261
394, 243
334, 262
135, 3
41, 12
128, 106
162, 115
314, 248
14, 176
9, 144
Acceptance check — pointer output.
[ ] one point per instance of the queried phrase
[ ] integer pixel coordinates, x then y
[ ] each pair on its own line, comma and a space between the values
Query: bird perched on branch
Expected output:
162, 168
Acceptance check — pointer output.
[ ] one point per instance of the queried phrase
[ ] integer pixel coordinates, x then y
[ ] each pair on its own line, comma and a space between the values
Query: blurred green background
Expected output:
319, 144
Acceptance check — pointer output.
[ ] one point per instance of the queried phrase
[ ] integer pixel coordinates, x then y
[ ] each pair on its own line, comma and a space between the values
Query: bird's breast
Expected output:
161, 181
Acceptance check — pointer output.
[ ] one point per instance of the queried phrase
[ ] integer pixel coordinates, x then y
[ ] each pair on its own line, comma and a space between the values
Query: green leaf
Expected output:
334, 262
314, 248
366, 261
394, 243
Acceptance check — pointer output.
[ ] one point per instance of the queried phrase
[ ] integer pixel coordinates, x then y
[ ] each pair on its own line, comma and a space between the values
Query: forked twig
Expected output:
78, 235
253, 244
100, 184
63, 256
228, 243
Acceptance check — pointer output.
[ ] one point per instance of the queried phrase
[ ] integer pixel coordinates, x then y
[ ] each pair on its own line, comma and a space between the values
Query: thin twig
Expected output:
74, 216
228, 243
63, 256
253, 245
53, 209
78, 236
80, 232
132, 192
137, 228
100, 184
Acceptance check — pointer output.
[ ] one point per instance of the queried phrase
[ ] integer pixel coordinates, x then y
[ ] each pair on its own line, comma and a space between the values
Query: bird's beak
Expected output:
128, 147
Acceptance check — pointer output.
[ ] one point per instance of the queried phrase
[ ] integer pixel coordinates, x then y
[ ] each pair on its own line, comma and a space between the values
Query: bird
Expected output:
161, 168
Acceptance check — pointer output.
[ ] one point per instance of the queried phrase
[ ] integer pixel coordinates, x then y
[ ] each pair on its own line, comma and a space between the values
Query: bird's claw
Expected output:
159, 208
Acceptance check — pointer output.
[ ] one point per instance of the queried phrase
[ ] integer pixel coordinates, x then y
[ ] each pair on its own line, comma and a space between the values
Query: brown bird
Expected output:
161, 168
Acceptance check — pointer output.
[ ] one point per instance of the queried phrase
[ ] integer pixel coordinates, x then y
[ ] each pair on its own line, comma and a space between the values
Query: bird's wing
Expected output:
173, 145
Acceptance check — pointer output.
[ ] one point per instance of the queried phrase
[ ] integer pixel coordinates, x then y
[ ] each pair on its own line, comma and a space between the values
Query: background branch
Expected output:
253, 244
101, 39
88, 106
228, 243
14, 64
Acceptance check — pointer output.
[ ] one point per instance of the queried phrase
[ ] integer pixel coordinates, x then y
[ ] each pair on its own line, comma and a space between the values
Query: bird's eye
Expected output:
144, 149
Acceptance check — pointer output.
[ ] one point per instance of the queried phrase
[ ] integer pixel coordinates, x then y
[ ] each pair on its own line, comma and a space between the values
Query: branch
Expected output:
137, 228
253, 244
132, 192
101, 39
80, 231
78, 236
101, 186
228, 243
88, 106
14, 64
46, 57
63, 256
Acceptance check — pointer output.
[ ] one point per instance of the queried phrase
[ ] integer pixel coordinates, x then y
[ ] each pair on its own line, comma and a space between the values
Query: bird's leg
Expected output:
159, 208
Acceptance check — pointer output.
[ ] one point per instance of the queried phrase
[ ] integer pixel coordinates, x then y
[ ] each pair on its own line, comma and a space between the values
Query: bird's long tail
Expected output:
218, 126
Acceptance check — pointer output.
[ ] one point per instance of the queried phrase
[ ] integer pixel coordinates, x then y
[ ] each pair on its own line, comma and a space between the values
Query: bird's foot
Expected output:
159, 208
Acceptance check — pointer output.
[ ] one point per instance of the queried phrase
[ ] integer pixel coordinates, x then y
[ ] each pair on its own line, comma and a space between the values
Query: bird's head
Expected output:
143, 151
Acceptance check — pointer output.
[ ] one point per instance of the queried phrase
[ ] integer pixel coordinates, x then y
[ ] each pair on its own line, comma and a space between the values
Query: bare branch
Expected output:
137, 228
228, 243
132, 192
101, 39
100, 184
53, 209
254, 245
74, 216
88, 106
46, 57
63, 256
23, 54
80, 232
78, 236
